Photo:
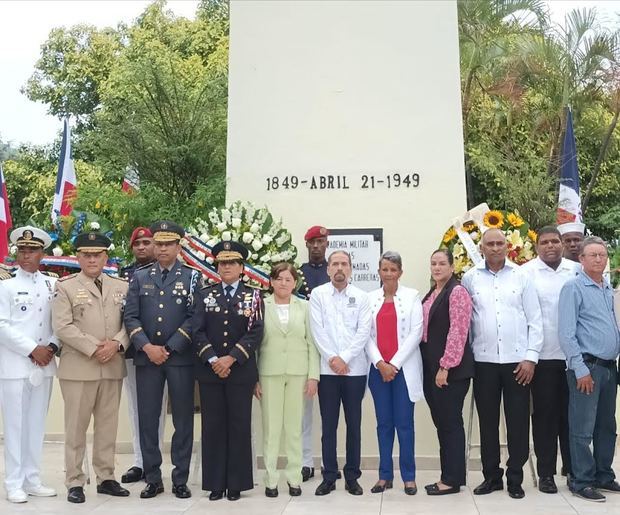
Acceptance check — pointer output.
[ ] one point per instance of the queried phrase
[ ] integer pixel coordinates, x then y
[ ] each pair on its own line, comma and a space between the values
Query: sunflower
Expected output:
449, 235
515, 220
532, 235
470, 226
494, 219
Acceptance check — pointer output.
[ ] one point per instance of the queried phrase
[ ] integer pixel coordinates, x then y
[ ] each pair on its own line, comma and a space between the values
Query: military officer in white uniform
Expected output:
27, 364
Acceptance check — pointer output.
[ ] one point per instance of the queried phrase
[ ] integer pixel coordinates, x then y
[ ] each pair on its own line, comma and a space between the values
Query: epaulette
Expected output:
5, 275
118, 278
208, 285
70, 276
142, 267
50, 274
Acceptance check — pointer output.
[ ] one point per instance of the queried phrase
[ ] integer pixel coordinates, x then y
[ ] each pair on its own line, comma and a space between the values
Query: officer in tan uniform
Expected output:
87, 315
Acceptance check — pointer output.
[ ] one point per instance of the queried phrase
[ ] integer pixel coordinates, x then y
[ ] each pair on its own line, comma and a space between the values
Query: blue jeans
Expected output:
592, 419
394, 411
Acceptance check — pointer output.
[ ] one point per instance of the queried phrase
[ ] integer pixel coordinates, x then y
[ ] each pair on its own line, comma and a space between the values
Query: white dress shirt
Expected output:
340, 324
506, 323
548, 283
25, 322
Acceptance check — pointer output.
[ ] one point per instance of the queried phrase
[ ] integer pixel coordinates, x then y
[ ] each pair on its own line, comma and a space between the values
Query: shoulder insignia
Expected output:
206, 286
50, 274
67, 277
122, 279
5, 275
142, 267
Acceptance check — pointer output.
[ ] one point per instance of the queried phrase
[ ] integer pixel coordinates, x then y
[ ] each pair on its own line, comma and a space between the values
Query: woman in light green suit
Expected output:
288, 369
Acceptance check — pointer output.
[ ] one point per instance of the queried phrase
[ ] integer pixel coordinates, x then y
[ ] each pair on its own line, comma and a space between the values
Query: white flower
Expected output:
254, 256
236, 223
211, 242
221, 226
13, 250
204, 236
94, 226
226, 215
257, 244
276, 257
265, 257
254, 228
266, 239
226, 236
247, 237
57, 251
111, 247
213, 217
234, 235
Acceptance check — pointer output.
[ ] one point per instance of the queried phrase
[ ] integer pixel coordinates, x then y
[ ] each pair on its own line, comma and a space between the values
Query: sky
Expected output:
25, 25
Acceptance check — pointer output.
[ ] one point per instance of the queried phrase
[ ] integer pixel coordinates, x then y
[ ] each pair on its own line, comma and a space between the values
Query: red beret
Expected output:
138, 233
316, 231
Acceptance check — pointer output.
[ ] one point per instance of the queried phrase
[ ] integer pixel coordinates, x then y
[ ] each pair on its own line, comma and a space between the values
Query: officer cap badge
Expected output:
27, 235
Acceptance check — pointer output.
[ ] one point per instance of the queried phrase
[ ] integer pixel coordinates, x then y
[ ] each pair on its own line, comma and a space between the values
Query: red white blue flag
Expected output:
569, 203
5, 218
66, 181
131, 181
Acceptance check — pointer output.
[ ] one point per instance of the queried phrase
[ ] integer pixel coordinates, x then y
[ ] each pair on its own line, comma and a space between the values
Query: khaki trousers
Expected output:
282, 407
83, 399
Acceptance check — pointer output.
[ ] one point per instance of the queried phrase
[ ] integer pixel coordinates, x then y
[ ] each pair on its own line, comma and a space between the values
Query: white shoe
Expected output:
40, 491
17, 496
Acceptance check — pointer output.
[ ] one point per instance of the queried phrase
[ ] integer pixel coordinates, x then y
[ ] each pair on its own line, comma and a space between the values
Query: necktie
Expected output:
164, 274
228, 290
98, 284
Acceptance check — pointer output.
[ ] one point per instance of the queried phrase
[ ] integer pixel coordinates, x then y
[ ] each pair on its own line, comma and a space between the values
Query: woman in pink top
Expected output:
448, 364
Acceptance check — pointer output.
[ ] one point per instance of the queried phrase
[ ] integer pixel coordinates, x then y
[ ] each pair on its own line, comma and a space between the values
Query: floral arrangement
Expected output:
264, 236
520, 238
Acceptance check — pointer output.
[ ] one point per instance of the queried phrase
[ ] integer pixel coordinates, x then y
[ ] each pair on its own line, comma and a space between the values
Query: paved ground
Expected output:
393, 502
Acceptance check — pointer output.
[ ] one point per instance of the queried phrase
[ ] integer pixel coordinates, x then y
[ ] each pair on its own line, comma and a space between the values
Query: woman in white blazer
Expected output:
395, 377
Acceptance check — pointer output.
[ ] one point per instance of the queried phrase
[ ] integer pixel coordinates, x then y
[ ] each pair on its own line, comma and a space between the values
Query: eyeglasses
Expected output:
594, 255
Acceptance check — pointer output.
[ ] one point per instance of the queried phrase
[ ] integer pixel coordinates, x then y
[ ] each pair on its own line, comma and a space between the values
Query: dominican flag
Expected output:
131, 181
569, 203
66, 181
5, 218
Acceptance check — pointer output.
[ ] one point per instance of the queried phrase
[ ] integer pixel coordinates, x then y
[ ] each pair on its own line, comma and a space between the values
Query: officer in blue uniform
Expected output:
227, 329
314, 273
142, 247
158, 320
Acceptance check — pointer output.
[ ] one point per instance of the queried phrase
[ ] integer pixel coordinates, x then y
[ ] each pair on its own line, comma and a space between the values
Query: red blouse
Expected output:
387, 331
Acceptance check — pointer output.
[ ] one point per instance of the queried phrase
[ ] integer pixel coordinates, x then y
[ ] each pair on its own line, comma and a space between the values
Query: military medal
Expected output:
179, 301
217, 309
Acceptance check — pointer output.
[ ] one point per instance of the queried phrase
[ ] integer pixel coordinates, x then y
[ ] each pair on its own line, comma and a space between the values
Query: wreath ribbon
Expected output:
475, 215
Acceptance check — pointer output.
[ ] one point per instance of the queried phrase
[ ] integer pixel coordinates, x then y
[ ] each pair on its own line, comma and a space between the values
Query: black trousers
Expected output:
492, 382
348, 390
150, 381
550, 416
226, 436
446, 405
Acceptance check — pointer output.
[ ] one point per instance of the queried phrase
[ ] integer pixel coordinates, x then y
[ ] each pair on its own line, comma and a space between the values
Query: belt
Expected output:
593, 360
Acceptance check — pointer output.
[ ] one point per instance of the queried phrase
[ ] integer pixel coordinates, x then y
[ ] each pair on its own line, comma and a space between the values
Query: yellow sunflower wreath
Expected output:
521, 239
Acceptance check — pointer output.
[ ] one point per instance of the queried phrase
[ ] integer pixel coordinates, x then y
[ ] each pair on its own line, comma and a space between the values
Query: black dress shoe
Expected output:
271, 492
379, 488
590, 494
216, 495
547, 485
488, 486
76, 495
151, 490
133, 475
353, 487
307, 473
181, 491
294, 491
325, 487
411, 490
435, 490
612, 486
233, 495
111, 487
516, 492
